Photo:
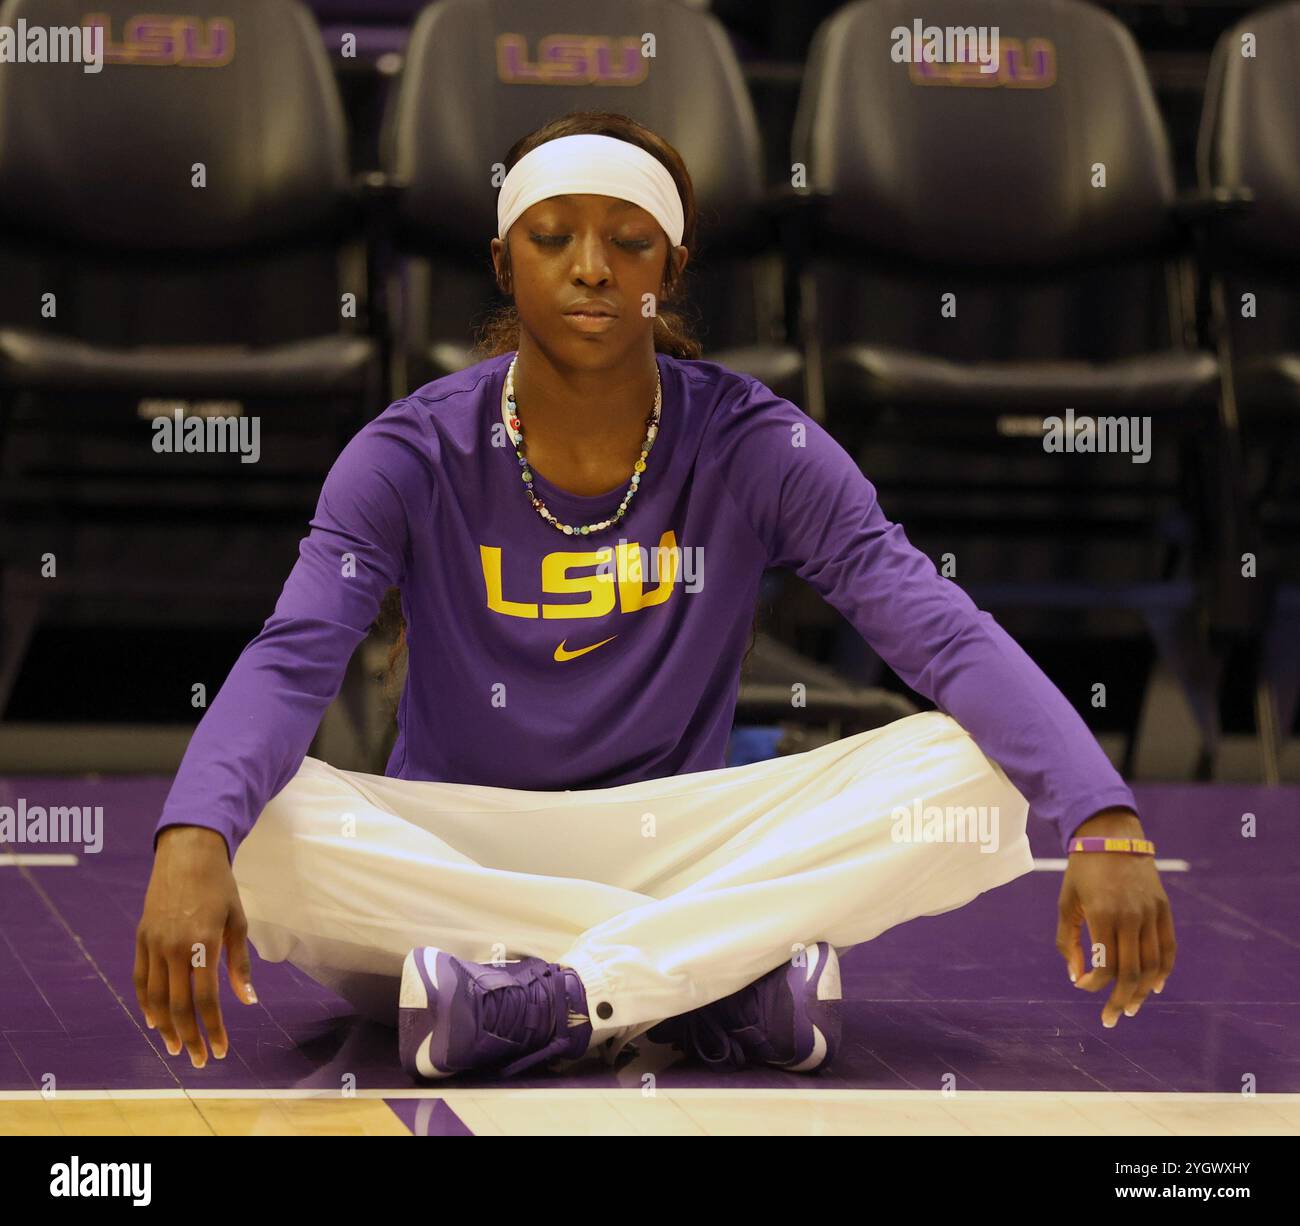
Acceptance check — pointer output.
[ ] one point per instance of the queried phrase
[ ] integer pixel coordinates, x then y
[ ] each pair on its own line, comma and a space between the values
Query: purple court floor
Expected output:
979, 993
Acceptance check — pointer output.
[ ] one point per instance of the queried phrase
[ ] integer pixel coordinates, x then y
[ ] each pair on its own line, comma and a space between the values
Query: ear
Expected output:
503, 272
673, 271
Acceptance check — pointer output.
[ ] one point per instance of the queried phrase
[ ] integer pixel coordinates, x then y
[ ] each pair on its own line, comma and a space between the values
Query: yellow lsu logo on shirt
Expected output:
619, 580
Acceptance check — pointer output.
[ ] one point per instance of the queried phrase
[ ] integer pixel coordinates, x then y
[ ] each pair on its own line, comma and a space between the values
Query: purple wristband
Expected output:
1137, 847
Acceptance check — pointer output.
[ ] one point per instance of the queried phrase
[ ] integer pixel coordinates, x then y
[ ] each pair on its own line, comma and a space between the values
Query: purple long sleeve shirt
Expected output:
545, 661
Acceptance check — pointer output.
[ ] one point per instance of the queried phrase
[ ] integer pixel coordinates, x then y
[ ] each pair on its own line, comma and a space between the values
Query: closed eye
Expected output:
556, 240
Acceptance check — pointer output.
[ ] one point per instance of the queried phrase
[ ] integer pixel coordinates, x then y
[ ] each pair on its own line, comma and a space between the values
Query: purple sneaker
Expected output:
789, 1018
456, 1015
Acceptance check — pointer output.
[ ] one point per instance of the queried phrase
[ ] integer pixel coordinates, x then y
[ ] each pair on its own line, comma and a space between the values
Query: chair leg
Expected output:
1278, 689
20, 613
1270, 741
1185, 650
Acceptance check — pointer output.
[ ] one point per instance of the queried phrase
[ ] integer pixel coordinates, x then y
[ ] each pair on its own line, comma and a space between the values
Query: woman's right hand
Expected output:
191, 910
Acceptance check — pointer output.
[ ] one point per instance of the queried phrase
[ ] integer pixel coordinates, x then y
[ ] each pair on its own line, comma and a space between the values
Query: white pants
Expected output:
663, 895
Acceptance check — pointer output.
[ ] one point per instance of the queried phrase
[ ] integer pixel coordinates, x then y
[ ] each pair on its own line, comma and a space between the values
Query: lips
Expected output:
591, 325
593, 310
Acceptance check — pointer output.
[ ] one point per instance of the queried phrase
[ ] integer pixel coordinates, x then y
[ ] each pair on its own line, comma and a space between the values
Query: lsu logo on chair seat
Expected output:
1022, 64
571, 59
167, 40
618, 580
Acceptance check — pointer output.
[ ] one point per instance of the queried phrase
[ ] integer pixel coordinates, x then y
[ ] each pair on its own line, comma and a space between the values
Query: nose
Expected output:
590, 259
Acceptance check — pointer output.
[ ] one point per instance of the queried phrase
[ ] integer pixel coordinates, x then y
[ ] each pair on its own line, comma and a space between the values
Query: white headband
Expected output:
591, 165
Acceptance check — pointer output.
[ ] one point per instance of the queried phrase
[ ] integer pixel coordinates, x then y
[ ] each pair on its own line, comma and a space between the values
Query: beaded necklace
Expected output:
510, 415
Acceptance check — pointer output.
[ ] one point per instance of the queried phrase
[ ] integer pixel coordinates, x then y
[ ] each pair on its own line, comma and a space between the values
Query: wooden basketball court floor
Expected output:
960, 1024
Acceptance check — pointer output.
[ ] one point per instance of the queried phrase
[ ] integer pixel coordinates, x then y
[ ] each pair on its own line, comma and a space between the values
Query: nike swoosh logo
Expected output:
562, 654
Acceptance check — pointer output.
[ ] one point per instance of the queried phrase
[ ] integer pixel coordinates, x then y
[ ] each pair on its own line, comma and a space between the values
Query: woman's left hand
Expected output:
1128, 915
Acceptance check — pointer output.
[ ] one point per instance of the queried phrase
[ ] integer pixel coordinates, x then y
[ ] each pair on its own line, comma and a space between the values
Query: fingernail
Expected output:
198, 1063
1132, 1011
249, 995
1110, 1025
1160, 987
148, 1021
172, 1051
1073, 977
219, 1052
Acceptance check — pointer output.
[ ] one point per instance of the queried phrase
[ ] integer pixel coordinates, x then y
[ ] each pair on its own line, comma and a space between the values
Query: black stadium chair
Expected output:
928, 180
473, 82
1250, 139
225, 300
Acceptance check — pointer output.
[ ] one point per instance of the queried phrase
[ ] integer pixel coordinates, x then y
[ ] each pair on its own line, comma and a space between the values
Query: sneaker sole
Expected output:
420, 1036
816, 1012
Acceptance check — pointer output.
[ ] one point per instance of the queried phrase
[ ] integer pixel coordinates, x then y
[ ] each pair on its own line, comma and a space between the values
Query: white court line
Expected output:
14, 860
1059, 866
883, 1096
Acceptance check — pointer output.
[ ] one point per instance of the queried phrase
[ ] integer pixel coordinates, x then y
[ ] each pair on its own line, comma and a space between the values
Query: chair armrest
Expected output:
1204, 208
